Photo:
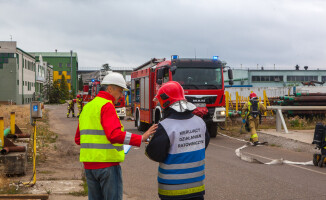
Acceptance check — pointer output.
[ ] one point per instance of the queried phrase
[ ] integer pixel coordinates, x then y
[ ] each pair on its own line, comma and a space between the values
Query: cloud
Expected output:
129, 33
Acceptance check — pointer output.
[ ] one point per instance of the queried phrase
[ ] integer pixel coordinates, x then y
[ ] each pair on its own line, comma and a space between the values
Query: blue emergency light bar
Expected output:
174, 57
93, 80
215, 57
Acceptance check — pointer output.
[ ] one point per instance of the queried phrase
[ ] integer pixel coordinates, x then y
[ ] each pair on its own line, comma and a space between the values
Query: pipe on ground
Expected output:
6, 150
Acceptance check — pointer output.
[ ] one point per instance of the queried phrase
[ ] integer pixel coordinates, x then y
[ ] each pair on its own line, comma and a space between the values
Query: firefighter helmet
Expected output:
171, 94
114, 78
253, 95
78, 96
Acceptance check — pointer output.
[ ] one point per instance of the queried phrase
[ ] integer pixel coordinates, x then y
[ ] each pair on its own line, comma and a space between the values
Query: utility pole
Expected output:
71, 71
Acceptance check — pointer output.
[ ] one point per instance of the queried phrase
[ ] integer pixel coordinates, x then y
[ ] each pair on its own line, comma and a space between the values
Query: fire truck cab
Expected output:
201, 79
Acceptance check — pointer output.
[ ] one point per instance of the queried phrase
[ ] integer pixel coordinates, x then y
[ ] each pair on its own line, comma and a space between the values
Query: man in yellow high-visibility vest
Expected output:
101, 136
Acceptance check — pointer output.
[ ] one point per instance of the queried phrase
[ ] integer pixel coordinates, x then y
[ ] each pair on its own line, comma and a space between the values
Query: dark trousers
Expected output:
105, 183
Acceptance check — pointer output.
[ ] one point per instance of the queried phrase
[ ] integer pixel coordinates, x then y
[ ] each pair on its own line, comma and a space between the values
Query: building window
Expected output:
68, 73
302, 78
60, 64
68, 64
68, 81
60, 73
17, 82
266, 78
323, 78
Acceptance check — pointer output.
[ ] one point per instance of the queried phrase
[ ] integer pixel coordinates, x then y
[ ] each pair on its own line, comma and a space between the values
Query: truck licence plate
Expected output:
200, 105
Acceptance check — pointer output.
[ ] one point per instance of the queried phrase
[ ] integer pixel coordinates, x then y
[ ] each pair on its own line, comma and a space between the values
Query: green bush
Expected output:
61, 101
297, 122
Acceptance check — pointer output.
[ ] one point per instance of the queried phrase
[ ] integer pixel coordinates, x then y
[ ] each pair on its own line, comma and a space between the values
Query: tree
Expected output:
72, 94
106, 66
64, 88
80, 83
54, 92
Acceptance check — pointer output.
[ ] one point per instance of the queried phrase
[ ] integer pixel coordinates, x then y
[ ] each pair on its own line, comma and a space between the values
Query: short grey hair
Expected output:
103, 87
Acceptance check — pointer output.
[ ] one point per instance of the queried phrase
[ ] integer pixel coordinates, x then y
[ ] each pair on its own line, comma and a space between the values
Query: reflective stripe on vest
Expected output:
94, 145
183, 171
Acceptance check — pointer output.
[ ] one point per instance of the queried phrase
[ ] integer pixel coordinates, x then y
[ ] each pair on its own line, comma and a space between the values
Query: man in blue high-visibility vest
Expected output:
179, 145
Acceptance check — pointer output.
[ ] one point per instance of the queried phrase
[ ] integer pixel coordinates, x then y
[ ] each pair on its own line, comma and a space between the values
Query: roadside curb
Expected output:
287, 143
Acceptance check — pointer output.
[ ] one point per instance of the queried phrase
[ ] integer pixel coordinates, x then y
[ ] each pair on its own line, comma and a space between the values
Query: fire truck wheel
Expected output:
141, 126
212, 129
122, 118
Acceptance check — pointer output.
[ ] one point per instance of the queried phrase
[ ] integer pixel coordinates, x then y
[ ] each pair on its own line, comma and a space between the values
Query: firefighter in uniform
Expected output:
179, 145
71, 107
251, 115
79, 104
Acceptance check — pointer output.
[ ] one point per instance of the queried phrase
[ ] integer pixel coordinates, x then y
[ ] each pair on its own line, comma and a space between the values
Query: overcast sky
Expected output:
127, 33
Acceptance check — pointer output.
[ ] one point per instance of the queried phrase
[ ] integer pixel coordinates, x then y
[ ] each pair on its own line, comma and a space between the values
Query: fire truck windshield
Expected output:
198, 78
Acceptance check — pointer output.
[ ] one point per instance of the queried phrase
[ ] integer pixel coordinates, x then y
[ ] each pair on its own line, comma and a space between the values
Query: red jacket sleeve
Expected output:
112, 128
77, 136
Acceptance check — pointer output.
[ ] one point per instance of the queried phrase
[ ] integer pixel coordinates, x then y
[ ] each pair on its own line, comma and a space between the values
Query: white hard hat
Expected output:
114, 78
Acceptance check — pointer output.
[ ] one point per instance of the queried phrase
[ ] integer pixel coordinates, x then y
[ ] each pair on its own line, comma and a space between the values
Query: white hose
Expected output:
250, 159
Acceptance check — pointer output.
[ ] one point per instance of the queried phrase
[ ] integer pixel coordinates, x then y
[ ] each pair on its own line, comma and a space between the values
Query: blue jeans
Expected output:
104, 184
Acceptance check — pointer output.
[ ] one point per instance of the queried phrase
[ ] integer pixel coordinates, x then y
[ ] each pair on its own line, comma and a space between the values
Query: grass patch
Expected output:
82, 192
46, 172
275, 145
7, 188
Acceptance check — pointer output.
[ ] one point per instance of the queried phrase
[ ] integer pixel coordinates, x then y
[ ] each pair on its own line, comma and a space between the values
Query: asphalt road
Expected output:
228, 177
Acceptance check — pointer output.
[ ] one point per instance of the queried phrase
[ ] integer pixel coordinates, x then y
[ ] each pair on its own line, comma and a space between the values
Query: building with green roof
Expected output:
62, 62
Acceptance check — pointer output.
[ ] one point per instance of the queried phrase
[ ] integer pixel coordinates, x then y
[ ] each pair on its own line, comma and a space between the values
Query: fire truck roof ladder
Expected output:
152, 62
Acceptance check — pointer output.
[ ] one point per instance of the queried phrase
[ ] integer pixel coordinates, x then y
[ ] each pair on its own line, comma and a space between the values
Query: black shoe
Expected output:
256, 143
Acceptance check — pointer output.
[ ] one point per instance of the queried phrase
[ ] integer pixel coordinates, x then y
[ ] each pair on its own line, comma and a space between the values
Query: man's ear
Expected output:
109, 89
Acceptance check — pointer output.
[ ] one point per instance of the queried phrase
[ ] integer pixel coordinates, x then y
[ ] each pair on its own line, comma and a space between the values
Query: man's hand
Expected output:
149, 132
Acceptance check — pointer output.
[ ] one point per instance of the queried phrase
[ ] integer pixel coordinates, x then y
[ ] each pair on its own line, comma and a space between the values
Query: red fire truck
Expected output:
201, 79
90, 91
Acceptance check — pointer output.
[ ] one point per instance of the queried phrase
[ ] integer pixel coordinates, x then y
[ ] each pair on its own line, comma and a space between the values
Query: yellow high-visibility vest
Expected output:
94, 145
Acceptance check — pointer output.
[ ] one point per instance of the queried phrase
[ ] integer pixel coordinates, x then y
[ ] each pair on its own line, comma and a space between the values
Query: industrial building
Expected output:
276, 82
61, 62
43, 77
90, 73
17, 74
276, 78
22, 77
